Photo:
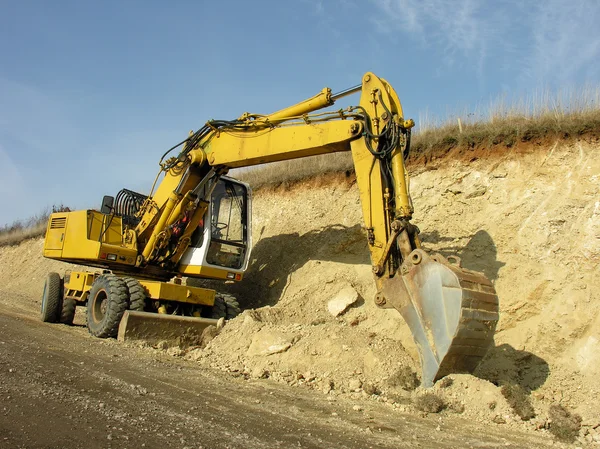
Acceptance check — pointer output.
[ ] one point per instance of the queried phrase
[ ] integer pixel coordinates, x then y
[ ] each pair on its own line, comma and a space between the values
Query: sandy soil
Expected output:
529, 218
61, 388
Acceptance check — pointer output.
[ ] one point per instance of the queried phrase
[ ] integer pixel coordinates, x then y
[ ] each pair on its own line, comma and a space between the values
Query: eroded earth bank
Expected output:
528, 217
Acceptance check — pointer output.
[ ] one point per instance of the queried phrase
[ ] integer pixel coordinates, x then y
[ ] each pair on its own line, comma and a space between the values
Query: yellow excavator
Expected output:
196, 223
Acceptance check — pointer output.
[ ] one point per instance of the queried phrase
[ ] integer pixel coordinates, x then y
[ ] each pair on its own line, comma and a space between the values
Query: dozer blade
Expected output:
451, 312
173, 329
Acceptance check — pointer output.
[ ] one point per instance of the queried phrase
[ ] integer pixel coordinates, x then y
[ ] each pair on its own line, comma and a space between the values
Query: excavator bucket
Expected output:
452, 313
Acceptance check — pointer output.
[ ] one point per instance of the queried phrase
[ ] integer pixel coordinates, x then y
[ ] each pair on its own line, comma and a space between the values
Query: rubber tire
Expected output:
51, 298
226, 306
137, 294
114, 290
67, 314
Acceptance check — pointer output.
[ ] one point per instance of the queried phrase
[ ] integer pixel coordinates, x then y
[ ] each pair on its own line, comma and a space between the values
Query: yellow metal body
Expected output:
452, 313
87, 236
78, 284
168, 291
146, 250
264, 145
96, 239
302, 135
204, 272
91, 237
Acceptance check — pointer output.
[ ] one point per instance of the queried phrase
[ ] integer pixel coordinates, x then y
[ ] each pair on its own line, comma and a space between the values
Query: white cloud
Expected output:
457, 28
546, 42
565, 41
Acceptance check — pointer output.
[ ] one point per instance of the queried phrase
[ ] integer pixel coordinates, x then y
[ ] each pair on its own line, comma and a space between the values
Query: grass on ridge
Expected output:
33, 227
567, 114
564, 115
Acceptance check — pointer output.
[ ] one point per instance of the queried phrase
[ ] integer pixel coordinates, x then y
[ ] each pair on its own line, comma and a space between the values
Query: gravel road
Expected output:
61, 388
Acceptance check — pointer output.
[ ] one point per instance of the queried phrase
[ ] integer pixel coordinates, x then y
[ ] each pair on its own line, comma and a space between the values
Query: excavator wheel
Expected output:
137, 294
226, 306
52, 298
107, 301
67, 313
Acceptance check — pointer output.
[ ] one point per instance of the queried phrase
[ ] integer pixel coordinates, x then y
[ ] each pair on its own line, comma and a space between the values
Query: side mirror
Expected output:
107, 205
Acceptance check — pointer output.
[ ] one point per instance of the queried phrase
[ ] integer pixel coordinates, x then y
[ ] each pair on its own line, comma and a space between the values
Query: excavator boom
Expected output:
452, 312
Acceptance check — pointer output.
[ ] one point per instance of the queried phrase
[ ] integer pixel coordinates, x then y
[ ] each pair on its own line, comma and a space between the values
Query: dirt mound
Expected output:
529, 219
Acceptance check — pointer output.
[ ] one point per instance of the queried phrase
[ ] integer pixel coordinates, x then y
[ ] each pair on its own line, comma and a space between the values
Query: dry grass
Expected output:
429, 403
566, 114
519, 401
405, 378
33, 227
446, 382
295, 170
564, 425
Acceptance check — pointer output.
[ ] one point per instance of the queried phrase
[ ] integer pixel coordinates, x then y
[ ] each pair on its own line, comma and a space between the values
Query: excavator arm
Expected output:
452, 312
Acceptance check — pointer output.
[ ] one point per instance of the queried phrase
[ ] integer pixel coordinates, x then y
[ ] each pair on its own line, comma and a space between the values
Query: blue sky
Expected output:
92, 93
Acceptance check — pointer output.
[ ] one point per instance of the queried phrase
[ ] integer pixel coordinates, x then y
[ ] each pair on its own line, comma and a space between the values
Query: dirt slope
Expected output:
529, 218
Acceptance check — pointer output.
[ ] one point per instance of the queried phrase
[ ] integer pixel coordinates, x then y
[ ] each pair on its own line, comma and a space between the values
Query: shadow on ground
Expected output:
503, 364
506, 365
480, 253
275, 258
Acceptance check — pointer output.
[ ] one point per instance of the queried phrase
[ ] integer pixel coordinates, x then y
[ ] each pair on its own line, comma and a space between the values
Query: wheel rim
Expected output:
44, 298
99, 306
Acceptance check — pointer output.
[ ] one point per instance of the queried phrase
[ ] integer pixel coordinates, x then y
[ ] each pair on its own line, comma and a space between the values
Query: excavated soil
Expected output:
527, 217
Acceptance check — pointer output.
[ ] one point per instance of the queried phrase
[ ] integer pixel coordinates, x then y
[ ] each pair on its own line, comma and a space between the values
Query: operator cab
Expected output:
222, 240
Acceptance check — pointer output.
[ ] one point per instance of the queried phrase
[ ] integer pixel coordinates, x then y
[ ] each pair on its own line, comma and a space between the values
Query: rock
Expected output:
208, 334
249, 319
162, 345
309, 376
175, 352
370, 388
344, 299
328, 386
354, 384
357, 408
140, 390
268, 342
259, 373
454, 190
195, 354
477, 192
499, 419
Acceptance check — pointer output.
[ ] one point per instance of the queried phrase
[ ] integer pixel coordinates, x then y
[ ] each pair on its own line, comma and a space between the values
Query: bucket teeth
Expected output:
452, 313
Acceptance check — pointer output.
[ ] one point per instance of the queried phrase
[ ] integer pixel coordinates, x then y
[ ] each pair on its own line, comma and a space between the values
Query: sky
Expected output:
92, 93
